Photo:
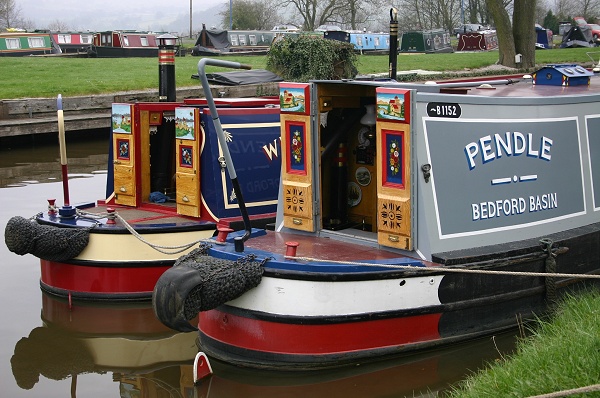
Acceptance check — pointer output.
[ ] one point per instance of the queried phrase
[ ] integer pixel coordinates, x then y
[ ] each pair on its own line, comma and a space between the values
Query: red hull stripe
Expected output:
298, 339
97, 279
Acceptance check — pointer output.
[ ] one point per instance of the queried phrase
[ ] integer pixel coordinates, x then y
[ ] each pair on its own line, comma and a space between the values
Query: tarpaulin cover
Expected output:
237, 78
214, 38
578, 36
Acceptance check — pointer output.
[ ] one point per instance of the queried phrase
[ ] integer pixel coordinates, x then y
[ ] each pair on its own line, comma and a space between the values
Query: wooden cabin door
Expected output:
297, 157
124, 154
188, 136
394, 186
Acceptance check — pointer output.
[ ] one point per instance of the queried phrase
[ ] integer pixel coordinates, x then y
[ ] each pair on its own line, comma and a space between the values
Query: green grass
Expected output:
560, 354
31, 77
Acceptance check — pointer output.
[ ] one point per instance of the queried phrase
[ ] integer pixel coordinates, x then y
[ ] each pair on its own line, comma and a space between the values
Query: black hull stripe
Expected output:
100, 297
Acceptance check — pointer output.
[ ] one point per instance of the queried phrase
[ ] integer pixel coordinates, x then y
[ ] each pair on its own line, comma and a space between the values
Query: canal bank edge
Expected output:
29, 116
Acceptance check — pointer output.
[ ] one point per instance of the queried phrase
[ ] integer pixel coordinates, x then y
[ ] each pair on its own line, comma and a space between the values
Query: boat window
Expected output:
86, 39
376, 39
35, 42
125, 41
64, 39
12, 44
252, 39
234, 40
359, 41
242, 40
144, 41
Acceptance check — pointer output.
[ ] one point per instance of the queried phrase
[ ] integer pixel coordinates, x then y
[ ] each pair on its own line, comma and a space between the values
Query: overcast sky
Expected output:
100, 15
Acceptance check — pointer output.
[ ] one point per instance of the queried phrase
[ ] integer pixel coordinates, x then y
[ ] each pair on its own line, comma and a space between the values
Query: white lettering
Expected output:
513, 206
512, 144
520, 143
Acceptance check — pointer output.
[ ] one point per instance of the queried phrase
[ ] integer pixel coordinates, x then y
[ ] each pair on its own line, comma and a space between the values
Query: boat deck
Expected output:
145, 218
325, 249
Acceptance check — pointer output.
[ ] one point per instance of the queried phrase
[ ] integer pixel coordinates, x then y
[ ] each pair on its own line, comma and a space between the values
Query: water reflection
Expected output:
125, 340
147, 359
20, 166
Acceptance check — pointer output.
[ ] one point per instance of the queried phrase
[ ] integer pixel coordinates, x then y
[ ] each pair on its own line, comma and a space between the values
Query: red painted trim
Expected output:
385, 167
302, 339
288, 148
98, 279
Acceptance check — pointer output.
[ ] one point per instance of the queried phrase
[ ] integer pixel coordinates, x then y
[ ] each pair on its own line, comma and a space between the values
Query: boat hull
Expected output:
298, 321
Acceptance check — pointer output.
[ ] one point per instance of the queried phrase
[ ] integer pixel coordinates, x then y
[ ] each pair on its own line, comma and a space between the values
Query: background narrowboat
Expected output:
478, 41
426, 41
363, 41
73, 42
124, 43
16, 44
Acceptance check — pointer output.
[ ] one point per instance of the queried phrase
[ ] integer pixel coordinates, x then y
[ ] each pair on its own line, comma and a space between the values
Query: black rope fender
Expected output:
25, 236
550, 268
199, 282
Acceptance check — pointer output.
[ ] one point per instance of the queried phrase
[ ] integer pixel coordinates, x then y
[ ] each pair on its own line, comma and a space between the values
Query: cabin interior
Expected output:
348, 160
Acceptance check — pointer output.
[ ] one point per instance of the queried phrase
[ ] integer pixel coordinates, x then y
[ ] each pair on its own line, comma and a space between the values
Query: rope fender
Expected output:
25, 236
198, 282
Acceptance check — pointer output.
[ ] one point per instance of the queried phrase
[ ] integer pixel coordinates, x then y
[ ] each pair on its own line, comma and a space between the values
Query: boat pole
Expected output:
66, 210
393, 43
221, 136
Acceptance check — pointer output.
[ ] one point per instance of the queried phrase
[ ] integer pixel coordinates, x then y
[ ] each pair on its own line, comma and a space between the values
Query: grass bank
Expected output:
560, 354
32, 77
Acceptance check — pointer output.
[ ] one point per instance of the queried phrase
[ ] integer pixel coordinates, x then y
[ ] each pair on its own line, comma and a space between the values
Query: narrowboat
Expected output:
124, 43
20, 43
73, 42
410, 216
235, 42
431, 41
483, 40
368, 42
167, 191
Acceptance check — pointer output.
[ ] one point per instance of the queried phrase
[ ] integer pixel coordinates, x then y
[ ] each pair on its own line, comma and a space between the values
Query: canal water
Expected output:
50, 348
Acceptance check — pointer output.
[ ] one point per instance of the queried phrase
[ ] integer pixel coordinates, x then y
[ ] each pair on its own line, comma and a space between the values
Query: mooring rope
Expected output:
159, 248
566, 393
442, 269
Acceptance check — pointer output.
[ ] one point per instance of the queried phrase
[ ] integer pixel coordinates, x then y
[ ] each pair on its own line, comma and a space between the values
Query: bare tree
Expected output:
316, 12
429, 14
359, 14
10, 14
58, 26
250, 14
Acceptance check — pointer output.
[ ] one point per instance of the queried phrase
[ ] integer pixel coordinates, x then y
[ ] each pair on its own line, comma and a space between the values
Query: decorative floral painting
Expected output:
184, 123
296, 150
121, 118
186, 156
123, 149
393, 158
